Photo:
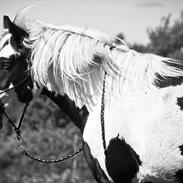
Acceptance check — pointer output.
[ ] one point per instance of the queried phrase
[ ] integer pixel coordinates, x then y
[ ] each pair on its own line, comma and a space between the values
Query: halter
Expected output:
18, 133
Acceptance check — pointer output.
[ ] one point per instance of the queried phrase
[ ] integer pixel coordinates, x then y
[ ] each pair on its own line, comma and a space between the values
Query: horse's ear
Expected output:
13, 29
6, 22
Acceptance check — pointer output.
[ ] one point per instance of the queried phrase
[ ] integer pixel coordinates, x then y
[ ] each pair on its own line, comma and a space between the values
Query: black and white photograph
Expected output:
91, 91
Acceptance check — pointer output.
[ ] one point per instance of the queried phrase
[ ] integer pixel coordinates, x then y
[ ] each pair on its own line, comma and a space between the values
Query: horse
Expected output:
11, 68
134, 100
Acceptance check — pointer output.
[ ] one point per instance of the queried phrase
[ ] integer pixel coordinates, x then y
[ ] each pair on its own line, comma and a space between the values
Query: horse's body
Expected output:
143, 118
143, 123
151, 123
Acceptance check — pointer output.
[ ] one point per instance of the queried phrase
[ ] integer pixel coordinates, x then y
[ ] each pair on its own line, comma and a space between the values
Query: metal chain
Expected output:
102, 113
37, 158
22, 148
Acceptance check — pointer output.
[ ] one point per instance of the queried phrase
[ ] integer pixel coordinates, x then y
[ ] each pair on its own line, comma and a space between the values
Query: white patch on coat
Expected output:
6, 49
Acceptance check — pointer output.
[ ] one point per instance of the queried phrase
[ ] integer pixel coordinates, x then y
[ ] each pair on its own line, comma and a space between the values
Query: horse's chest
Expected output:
150, 123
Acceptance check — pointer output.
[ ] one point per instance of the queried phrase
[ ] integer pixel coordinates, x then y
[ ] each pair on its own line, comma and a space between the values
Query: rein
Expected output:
18, 133
102, 114
22, 148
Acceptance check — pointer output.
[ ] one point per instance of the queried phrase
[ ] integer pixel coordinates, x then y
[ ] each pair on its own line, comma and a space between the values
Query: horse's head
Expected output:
14, 69
13, 61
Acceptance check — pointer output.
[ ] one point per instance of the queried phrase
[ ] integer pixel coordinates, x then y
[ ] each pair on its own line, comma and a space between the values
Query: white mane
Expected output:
70, 60
141, 71
73, 60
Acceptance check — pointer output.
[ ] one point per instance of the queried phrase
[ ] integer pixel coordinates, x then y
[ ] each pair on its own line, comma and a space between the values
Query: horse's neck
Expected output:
78, 70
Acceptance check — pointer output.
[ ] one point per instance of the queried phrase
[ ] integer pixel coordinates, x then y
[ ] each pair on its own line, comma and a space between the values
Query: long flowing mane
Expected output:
70, 60
73, 60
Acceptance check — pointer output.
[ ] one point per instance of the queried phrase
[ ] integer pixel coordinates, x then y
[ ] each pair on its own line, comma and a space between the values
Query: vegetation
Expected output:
48, 132
166, 39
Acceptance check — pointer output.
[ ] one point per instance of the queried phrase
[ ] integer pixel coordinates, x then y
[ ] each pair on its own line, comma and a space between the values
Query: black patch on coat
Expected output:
181, 149
179, 175
94, 165
122, 162
77, 115
163, 82
180, 102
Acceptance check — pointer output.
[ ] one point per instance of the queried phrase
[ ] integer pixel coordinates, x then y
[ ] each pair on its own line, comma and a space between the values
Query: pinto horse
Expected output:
135, 101
14, 70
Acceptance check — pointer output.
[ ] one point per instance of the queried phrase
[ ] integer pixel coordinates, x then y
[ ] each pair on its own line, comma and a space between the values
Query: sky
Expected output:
131, 17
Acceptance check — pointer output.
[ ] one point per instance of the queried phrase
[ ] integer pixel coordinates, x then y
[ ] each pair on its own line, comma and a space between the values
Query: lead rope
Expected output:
22, 148
102, 113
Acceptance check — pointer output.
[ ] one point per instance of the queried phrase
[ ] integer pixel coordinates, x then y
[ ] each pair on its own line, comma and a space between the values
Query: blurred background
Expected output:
146, 25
